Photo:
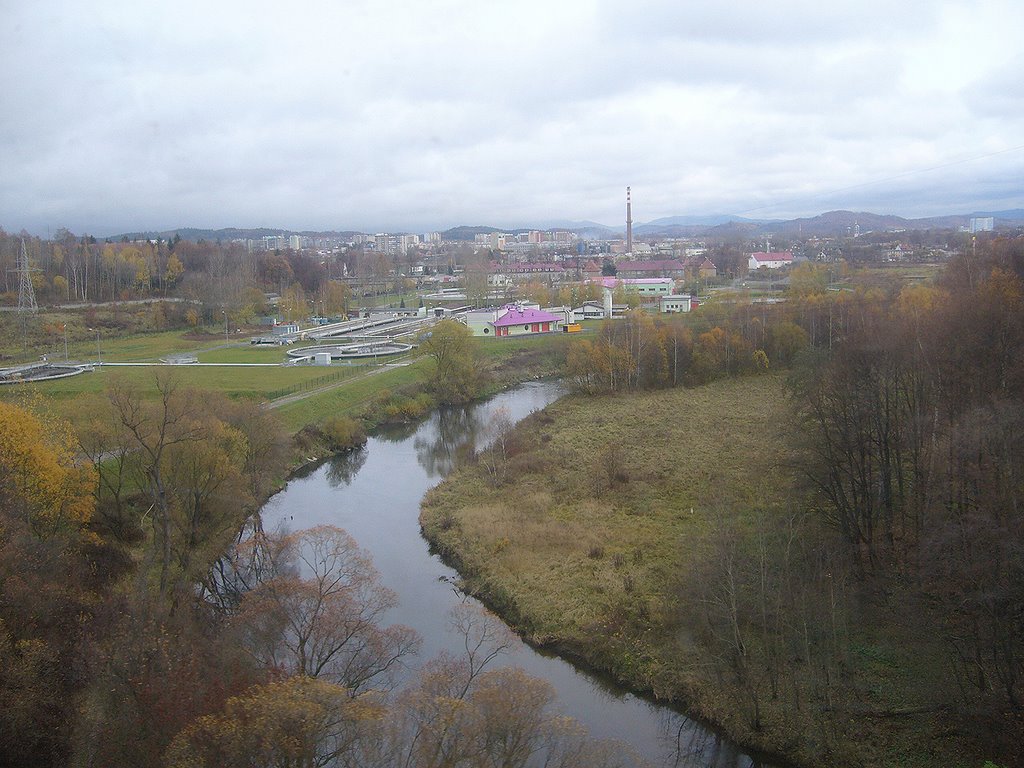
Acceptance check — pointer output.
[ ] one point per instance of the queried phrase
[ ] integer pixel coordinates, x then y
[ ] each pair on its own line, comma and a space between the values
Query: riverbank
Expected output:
626, 532
374, 493
403, 395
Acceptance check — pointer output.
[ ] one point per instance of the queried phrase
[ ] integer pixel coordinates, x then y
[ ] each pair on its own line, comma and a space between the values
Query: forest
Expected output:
216, 278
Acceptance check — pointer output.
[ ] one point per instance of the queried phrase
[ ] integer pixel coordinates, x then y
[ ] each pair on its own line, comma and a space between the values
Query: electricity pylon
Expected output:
26, 293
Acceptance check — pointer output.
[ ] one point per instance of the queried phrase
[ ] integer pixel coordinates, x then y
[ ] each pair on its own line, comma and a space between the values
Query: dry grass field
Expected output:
594, 523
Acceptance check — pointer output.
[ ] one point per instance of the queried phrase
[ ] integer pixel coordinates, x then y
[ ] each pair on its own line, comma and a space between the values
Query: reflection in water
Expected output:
454, 436
397, 432
342, 467
688, 743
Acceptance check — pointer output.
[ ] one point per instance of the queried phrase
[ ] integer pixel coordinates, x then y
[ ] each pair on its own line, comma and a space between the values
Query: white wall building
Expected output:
675, 303
769, 260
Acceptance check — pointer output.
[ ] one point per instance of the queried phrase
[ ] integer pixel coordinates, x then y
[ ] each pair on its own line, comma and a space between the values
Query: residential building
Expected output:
405, 242
769, 260
982, 224
657, 268
675, 303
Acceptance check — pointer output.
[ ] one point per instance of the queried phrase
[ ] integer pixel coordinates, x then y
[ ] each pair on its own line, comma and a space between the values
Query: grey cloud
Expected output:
390, 114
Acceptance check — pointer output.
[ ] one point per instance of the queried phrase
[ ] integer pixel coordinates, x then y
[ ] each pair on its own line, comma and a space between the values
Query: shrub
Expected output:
342, 433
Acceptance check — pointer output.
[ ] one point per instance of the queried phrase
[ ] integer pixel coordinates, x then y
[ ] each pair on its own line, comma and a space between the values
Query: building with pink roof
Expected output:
512, 320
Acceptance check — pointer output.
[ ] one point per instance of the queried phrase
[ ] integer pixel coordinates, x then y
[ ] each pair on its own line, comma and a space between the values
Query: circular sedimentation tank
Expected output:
41, 372
352, 351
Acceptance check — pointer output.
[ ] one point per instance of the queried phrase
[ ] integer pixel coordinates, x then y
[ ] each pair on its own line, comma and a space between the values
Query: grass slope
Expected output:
567, 544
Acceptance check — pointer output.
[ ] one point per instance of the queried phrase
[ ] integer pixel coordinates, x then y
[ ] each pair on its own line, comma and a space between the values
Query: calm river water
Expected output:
375, 494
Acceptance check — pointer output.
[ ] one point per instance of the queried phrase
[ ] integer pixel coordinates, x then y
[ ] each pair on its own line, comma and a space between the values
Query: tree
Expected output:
806, 279
319, 614
456, 376
296, 722
293, 302
336, 297
203, 464
460, 713
49, 584
476, 278
40, 481
786, 340
205, 478
152, 430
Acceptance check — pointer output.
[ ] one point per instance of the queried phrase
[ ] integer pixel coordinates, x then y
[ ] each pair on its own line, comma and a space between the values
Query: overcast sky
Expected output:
398, 115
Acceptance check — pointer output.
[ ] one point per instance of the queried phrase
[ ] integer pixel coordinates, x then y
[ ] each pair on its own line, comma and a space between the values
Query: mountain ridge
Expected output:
836, 222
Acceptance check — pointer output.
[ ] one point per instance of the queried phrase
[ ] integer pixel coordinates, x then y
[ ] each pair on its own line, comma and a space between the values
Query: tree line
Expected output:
914, 422
222, 280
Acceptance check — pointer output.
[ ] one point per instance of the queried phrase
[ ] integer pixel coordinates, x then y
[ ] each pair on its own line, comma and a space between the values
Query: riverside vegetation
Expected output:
142, 623
828, 562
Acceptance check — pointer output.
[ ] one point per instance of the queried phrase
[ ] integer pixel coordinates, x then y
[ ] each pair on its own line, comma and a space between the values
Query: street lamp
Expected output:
65, 342
99, 357
225, 313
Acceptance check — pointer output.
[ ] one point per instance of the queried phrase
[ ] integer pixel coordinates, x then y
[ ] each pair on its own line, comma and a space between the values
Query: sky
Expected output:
387, 115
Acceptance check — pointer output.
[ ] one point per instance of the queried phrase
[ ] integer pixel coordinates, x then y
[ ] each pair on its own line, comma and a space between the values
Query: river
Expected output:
374, 494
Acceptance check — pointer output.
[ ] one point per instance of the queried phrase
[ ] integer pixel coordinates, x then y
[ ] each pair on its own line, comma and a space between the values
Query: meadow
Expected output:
340, 389
625, 532
569, 522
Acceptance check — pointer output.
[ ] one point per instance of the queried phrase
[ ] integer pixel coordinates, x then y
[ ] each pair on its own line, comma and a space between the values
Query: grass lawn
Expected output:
234, 382
245, 353
349, 397
511, 359
148, 347
513, 345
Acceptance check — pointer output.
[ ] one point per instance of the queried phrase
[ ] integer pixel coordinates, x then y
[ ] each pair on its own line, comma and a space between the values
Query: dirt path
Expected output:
287, 399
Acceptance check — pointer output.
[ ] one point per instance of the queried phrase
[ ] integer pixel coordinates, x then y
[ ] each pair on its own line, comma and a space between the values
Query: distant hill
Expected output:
467, 233
1013, 216
705, 221
573, 226
842, 222
832, 223
227, 234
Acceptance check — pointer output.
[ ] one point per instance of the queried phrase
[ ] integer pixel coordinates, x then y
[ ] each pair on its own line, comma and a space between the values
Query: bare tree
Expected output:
320, 614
